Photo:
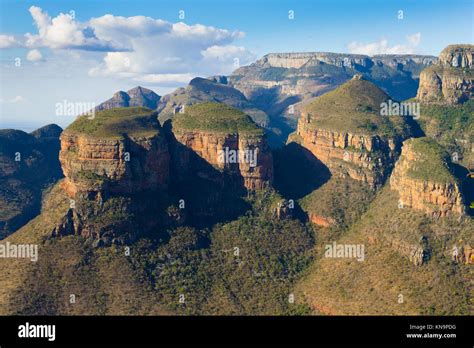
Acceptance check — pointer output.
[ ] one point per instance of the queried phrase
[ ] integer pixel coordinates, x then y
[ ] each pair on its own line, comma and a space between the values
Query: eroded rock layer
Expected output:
423, 181
451, 80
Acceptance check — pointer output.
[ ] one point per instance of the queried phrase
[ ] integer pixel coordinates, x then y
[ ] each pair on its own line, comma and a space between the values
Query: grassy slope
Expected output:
450, 124
215, 117
346, 286
353, 107
13, 272
103, 280
431, 163
135, 121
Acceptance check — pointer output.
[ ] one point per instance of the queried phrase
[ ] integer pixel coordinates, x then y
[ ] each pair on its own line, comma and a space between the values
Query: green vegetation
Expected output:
354, 107
134, 121
452, 126
215, 117
431, 162
255, 278
341, 200
373, 286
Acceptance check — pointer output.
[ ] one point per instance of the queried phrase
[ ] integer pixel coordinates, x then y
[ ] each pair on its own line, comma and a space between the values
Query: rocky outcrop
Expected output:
211, 146
422, 179
213, 89
278, 76
451, 81
457, 56
117, 169
137, 96
119, 165
361, 157
332, 128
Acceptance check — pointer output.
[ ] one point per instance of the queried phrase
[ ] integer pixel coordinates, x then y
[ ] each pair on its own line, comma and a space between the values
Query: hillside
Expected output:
28, 164
373, 287
201, 90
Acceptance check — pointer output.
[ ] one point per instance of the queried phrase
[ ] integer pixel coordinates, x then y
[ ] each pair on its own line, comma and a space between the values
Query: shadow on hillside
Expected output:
297, 171
467, 185
210, 195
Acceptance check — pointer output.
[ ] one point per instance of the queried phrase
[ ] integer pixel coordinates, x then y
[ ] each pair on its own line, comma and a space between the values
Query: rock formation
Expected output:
228, 140
451, 80
117, 171
214, 89
137, 96
117, 162
345, 131
423, 181
277, 76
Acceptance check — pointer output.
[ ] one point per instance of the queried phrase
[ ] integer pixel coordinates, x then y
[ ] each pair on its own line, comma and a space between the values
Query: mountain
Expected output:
201, 90
137, 96
447, 110
29, 164
184, 208
424, 181
282, 83
451, 80
346, 131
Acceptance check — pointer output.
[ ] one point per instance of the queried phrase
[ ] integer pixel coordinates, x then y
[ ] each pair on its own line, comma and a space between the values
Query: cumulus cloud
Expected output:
34, 55
7, 41
143, 48
64, 32
382, 46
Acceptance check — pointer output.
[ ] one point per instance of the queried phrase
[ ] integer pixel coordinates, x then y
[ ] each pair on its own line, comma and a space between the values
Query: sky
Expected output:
55, 53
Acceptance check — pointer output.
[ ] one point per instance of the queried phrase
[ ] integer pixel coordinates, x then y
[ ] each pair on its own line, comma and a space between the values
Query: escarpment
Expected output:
423, 180
121, 151
451, 80
345, 130
228, 140
116, 166
126, 175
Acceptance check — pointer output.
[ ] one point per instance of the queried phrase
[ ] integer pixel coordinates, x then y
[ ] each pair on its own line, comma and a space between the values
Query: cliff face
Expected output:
334, 128
226, 139
117, 169
366, 158
451, 80
209, 146
437, 193
307, 59
124, 165
278, 76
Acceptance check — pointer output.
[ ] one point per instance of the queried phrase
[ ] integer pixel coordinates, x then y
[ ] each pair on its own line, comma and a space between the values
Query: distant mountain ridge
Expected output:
138, 96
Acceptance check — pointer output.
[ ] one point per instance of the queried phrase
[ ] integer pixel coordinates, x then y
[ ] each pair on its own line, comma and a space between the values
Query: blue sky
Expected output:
87, 63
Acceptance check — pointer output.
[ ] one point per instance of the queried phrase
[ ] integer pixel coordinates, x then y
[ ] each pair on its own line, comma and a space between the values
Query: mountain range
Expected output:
223, 197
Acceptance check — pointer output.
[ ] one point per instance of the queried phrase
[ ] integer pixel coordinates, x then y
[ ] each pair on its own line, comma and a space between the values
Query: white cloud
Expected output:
34, 55
382, 46
63, 32
138, 47
161, 52
14, 100
7, 41
164, 79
